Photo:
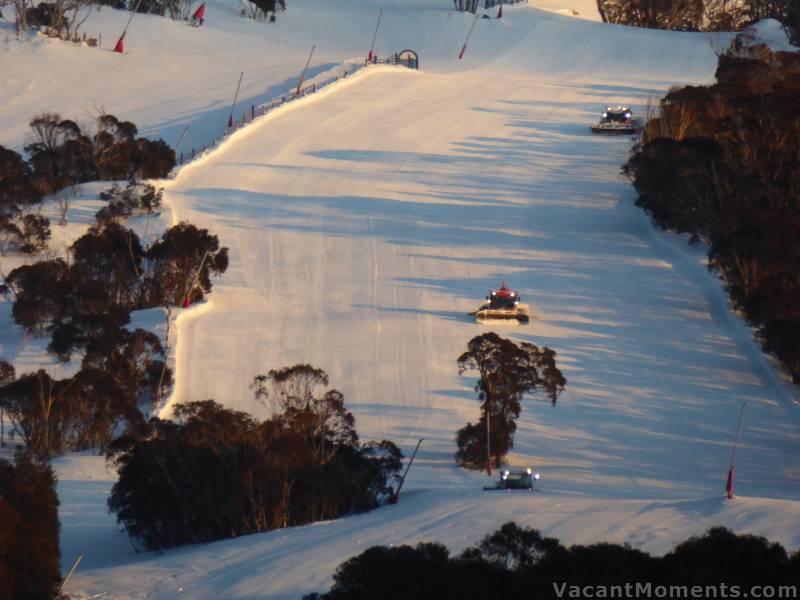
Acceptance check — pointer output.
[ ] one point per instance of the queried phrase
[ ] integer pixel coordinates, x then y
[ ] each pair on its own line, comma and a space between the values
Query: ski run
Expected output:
366, 220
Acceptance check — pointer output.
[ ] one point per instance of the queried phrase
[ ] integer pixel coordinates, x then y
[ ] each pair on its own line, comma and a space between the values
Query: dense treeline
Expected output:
516, 562
700, 15
64, 18
61, 155
88, 409
29, 551
722, 162
110, 275
507, 374
85, 306
181, 9
215, 473
83, 301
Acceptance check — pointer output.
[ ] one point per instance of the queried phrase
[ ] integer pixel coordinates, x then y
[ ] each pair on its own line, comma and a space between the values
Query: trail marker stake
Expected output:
396, 497
235, 97
303, 75
374, 37
180, 141
71, 571
488, 443
729, 485
464, 47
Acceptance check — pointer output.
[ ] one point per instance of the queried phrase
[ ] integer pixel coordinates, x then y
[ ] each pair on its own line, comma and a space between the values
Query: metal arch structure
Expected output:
408, 58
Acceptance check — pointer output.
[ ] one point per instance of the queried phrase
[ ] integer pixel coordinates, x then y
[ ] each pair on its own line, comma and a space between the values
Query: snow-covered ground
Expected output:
366, 220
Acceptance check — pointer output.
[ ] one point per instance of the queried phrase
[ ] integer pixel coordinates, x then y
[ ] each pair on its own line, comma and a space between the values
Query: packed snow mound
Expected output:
773, 34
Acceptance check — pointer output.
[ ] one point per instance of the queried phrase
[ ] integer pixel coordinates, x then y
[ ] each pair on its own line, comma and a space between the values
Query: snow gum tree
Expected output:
88, 409
320, 416
39, 410
507, 373
16, 188
216, 473
62, 153
181, 265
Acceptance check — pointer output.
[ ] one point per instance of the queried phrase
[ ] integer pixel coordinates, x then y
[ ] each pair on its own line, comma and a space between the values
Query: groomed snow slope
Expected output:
365, 221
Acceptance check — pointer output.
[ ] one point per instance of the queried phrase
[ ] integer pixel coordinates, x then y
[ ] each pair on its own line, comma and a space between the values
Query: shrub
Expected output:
516, 562
721, 555
124, 202
34, 233
16, 188
43, 15
41, 293
154, 159
108, 258
9, 234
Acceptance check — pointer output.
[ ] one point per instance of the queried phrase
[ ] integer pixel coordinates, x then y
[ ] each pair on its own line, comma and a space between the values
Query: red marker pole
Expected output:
199, 15
729, 485
120, 47
464, 47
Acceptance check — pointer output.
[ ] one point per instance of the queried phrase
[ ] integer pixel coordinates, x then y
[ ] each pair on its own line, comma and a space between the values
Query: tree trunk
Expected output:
601, 9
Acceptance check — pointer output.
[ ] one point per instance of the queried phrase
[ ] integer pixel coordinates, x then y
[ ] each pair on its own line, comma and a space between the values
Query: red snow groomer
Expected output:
502, 305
